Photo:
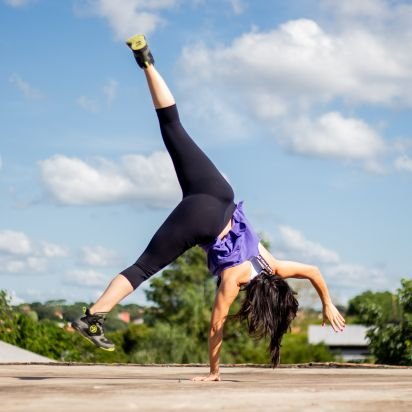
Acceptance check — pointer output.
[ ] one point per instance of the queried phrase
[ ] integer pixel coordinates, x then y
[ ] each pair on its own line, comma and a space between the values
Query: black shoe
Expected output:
141, 51
91, 327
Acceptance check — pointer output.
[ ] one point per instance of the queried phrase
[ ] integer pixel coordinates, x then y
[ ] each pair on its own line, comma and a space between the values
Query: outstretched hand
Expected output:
210, 377
331, 314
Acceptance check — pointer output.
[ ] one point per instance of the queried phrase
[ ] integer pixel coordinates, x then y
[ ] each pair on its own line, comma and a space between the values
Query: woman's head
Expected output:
268, 309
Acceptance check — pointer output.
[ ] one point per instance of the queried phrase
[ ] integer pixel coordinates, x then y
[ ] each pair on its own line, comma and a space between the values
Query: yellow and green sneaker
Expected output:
140, 48
91, 327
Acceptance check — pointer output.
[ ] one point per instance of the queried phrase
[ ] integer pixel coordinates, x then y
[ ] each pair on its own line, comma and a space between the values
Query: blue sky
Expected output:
304, 106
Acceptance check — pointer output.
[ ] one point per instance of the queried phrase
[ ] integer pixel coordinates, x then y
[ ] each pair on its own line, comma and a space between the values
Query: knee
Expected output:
135, 275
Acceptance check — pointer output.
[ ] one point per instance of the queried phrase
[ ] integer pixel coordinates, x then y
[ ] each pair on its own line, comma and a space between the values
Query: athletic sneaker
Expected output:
141, 51
91, 327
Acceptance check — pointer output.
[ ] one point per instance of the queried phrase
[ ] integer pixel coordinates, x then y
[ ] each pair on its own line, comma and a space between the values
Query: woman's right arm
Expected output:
290, 269
226, 294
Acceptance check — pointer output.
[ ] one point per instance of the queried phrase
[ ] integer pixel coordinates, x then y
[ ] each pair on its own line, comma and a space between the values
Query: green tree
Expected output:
385, 301
296, 349
46, 338
183, 296
390, 331
8, 320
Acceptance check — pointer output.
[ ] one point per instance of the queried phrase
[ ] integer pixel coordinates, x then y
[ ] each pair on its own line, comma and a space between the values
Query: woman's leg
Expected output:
197, 175
161, 95
120, 287
116, 291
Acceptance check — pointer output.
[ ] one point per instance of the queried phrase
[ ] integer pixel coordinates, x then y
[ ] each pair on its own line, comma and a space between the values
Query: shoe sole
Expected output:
137, 42
78, 329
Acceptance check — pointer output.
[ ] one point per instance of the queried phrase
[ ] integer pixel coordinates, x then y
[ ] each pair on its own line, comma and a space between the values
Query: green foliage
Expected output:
47, 310
184, 294
383, 301
390, 319
296, 349
184, 297
8, 320
175, 329
46, 338
71, 312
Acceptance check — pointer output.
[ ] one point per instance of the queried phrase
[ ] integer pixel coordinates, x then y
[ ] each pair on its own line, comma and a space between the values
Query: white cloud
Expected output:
238, 6
364, 8
268, 106
357, 276
98, 256
20, 254
295, 242
302, 63
53, 250
86, 278
110, 90
92, 105
15, 243
404, 163
280, 78
18, 3
333, 135
127, 16
28, 91
150, 180
10, 264
88, 104
345, 279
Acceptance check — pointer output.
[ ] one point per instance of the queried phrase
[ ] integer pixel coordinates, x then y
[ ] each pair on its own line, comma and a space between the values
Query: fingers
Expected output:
206, 378
336, 320
335, 325
199, 378
340, 321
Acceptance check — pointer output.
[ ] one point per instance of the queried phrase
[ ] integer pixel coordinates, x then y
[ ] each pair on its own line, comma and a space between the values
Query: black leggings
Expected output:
204, 211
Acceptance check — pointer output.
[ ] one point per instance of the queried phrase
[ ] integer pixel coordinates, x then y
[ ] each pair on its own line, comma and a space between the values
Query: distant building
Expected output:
351, 344
138, 321
124, 316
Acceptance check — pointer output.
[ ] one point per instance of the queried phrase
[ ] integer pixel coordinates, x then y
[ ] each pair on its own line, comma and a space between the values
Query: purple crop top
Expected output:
237, 246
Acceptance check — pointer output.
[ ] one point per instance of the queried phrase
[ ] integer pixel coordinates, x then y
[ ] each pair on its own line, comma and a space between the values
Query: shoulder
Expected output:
237, 275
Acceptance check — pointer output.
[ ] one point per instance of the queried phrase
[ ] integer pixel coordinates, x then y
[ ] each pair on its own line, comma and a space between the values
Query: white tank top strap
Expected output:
258, 266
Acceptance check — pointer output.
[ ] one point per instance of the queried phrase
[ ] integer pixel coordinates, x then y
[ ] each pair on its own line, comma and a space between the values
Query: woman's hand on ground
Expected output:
210, 377
331, 314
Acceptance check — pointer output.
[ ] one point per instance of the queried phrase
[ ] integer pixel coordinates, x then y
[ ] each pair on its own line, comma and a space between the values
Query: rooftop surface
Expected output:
11, 353
63, 387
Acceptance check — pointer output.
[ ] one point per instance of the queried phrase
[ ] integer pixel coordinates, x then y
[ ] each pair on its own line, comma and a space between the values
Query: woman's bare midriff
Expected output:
226, 230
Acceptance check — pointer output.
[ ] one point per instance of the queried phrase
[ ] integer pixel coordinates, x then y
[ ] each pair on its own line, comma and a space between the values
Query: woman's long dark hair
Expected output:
268, 310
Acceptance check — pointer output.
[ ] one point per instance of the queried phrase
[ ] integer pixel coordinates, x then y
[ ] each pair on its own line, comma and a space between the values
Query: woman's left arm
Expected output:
226, 294
289, 269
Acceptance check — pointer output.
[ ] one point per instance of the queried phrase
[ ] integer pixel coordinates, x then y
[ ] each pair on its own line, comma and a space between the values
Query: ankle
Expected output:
93, 310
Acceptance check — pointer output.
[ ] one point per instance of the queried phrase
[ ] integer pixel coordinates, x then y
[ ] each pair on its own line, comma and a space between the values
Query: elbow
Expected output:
315, 272
216, 328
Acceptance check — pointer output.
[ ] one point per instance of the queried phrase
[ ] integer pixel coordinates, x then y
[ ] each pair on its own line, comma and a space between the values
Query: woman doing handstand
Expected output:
207, 216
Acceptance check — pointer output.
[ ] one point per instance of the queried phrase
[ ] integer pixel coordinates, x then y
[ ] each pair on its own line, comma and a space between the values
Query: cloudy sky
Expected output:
304, 106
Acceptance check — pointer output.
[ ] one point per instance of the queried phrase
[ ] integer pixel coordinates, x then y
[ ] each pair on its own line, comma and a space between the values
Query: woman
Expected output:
207, 216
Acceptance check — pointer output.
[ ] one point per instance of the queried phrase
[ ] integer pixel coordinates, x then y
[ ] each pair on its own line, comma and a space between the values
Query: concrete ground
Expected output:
98, 388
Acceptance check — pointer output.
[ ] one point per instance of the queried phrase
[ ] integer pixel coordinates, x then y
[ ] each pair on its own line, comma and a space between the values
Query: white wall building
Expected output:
351, 344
